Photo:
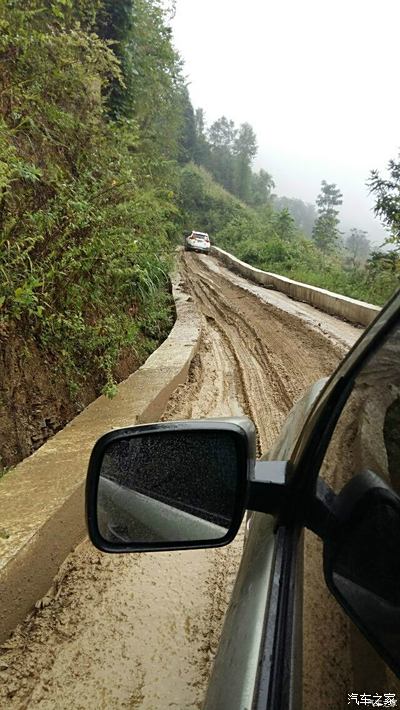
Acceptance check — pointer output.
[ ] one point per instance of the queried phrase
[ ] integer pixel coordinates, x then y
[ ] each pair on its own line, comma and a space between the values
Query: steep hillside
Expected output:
89, 142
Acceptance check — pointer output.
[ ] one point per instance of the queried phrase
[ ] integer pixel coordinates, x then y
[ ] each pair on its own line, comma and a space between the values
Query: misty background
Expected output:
317, 81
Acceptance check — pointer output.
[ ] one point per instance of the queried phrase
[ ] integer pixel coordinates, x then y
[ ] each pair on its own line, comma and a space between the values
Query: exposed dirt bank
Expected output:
140, 631
36, 400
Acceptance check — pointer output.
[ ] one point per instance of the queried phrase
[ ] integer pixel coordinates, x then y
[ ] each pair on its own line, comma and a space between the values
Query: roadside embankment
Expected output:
350, 309
42, 499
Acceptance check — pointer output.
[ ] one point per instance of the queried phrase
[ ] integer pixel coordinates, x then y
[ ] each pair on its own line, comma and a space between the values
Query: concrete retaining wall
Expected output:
42, 499
350, 309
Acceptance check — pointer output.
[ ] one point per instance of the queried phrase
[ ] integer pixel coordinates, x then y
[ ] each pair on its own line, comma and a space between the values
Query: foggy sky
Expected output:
318, 82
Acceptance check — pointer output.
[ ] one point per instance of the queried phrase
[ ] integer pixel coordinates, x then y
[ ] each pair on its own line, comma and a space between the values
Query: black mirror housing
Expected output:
170, 486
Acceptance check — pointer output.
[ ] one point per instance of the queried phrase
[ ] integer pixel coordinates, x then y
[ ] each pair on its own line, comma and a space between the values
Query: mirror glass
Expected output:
165, 487
365, 571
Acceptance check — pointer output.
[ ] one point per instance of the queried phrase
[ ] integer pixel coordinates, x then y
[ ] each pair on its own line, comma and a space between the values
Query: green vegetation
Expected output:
90, 126
387, 194
227, 152
303, 213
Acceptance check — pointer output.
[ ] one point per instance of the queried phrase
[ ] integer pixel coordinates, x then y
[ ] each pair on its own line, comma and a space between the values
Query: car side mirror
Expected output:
362, 561
170, 485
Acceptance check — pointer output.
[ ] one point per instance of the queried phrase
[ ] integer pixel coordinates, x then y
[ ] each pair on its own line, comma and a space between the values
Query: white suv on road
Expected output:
198, 241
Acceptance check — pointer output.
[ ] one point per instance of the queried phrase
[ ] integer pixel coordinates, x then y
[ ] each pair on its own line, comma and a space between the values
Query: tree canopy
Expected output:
326, 232
387, 195
358, 246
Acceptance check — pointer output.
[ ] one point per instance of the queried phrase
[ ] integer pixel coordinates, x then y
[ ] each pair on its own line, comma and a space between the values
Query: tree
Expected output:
387, 193
383, 274
284, 225
200, 123
358, 246
303, 213
202, 151
221, 133
221, 136
227, 153
245, 143
325, 231
380, 261
245, 149
151, 92
115, 24
261, 186
188, 136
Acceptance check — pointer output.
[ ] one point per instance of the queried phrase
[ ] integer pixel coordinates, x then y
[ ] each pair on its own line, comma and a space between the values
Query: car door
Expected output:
339, 662
267, 633
243, 670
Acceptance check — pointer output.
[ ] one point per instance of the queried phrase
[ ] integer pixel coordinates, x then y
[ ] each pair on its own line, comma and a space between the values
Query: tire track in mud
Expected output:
261, 386
140, 631
277, 356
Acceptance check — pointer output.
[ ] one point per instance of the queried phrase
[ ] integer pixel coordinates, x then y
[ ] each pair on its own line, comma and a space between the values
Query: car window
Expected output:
367, 433
338, 660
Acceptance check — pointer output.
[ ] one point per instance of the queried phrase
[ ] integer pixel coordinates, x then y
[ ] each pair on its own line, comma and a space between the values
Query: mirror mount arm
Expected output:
267, 487
269, 492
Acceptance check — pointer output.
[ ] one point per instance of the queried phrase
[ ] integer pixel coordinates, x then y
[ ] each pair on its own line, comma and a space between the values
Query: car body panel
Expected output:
234, 679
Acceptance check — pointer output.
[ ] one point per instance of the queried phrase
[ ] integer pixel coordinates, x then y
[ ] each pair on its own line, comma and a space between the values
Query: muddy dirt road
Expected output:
140, 631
